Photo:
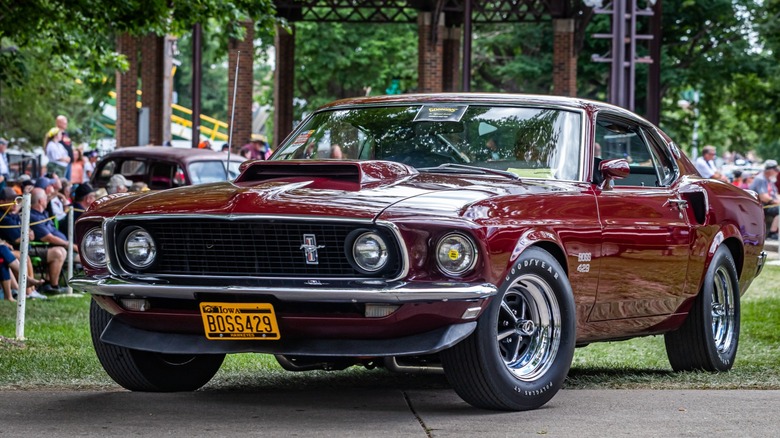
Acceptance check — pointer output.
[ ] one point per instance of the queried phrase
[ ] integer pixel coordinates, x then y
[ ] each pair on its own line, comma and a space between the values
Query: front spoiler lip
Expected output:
123, 335
400, 293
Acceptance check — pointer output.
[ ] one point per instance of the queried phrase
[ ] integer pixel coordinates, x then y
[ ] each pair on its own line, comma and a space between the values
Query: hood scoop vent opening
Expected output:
264, 171
341, 175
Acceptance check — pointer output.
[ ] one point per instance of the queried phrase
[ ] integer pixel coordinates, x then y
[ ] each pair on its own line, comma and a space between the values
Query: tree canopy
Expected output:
57, 53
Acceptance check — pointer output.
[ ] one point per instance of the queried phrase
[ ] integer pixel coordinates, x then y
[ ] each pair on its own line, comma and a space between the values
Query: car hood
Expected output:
359, 190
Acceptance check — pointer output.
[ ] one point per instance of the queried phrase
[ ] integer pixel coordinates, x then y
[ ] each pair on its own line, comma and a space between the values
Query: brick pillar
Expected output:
430, 62
157, 85
126, 132
451, 62
564, 59
284, 83
242, 119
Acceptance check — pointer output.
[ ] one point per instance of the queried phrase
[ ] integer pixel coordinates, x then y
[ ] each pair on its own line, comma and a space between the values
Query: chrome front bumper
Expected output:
362, 293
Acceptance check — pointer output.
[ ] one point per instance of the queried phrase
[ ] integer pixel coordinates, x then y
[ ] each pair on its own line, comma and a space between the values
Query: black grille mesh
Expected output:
202, 247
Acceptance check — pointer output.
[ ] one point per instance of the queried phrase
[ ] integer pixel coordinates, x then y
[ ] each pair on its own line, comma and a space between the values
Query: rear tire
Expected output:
147, 371
521, 351
709, 337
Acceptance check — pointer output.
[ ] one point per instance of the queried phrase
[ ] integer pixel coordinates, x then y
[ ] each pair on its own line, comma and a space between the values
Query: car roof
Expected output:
182, 155
494, 98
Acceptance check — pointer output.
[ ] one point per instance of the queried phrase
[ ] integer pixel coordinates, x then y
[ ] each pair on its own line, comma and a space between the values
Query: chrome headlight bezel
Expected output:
134, 242
456, 254
365, 243
93, 248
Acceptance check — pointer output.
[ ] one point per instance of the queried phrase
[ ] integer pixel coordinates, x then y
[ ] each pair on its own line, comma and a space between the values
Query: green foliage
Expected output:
513, 58
713, 46
36, 86
335, 60
49, 48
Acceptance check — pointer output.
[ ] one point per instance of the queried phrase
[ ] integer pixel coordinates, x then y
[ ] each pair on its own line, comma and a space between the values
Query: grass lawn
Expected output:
58, 354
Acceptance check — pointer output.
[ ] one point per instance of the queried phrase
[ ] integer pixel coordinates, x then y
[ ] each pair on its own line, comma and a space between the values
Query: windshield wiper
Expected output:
444, 168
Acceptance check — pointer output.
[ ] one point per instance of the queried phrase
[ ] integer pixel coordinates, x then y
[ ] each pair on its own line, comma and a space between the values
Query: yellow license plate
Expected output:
239, 321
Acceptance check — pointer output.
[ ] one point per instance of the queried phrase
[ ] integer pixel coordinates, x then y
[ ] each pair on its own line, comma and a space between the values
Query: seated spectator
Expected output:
52, 257
57, 203
9, 272
117, 184
45, 231
764, 185
706, 165
83, 197
5, 280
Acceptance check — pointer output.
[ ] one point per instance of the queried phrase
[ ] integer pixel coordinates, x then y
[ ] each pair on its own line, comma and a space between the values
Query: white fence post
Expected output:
70, 249
24, 247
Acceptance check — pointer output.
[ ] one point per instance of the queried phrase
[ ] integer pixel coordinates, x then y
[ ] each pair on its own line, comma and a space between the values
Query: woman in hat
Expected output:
56, 153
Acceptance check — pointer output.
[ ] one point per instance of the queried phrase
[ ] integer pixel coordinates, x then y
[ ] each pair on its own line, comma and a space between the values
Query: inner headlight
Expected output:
93, 248
140, 249
456, 254
370, 252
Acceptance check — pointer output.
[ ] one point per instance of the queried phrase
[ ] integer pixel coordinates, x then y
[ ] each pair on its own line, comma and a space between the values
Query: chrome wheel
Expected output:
709, 337
521, 350
723, 314
529, 327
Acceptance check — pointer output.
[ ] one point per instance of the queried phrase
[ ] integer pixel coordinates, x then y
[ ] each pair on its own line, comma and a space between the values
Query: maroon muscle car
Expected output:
489, 234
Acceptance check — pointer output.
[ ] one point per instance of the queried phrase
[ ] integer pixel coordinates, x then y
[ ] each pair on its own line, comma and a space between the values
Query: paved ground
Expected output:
386, 413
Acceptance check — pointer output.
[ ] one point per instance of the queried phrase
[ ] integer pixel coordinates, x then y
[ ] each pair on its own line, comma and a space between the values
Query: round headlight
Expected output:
93, 249
456, 254
140, 249
370, 252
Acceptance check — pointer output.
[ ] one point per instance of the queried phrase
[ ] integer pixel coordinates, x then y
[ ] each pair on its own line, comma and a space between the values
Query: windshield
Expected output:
211, 171
529, 142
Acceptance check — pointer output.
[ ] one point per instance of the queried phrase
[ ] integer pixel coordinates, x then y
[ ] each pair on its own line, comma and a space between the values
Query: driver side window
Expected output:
619, 138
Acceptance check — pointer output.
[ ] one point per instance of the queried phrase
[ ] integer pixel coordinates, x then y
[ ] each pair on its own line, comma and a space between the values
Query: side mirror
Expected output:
611, 170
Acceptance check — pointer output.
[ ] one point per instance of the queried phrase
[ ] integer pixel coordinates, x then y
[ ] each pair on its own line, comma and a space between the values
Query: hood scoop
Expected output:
338, 175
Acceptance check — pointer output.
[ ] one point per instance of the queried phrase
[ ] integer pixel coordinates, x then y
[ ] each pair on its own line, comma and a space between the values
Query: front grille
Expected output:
256, 248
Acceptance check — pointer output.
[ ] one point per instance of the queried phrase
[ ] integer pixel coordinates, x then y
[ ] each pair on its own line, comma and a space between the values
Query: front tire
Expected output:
147, 371
521, 351
709, 337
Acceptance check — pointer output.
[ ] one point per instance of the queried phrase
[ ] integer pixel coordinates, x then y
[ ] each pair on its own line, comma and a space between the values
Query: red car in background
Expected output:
165, 167
489, 233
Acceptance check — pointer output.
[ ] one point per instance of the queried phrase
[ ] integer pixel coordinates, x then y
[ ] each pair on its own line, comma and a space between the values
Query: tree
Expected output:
48, 45
512, 57
338, 60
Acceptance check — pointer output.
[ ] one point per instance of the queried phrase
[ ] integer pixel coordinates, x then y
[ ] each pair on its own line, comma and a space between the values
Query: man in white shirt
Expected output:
706, 166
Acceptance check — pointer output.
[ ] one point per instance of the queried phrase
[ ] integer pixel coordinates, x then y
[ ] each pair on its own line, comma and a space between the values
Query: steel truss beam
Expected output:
405, 11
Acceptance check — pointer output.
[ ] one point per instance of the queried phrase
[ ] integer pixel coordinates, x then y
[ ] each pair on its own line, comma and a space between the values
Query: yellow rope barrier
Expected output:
67, 210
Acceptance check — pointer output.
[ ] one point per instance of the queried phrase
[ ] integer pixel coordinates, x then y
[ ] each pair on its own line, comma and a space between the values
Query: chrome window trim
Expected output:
536, 105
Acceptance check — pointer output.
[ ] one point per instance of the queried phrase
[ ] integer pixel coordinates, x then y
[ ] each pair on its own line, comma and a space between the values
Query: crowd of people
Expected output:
64, 185
763, 182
